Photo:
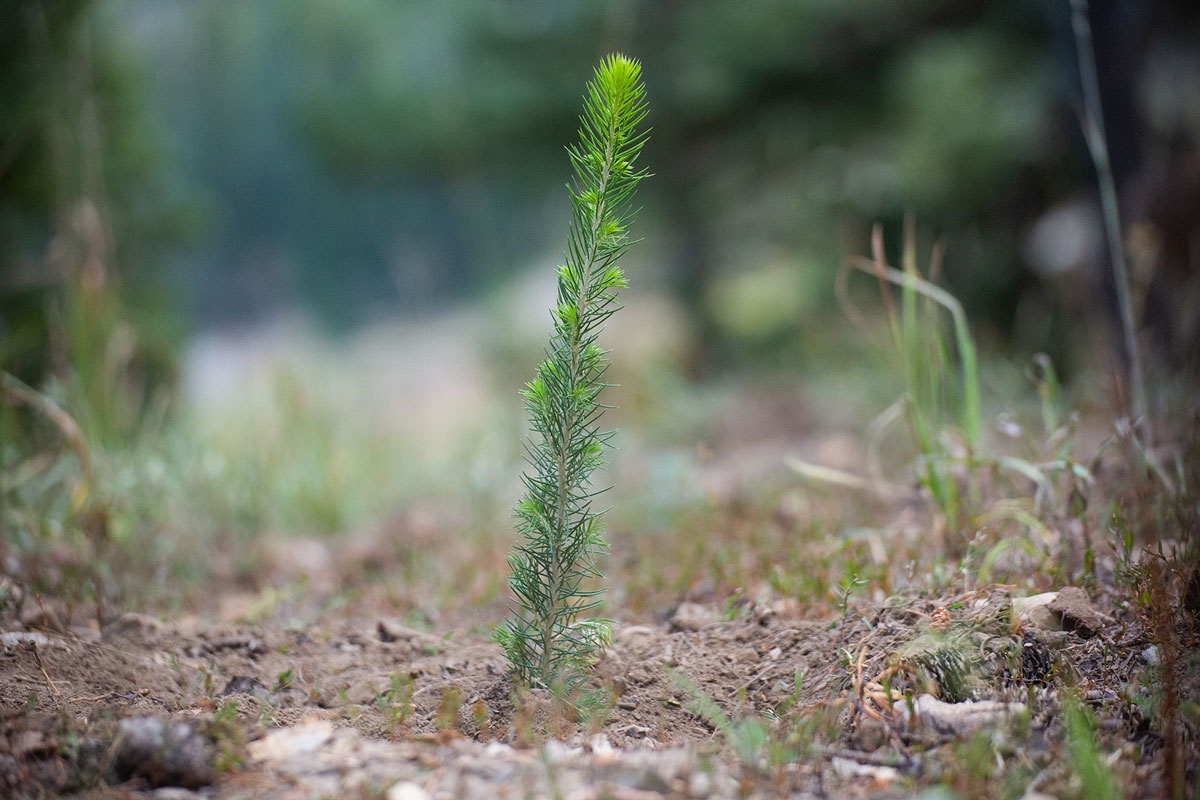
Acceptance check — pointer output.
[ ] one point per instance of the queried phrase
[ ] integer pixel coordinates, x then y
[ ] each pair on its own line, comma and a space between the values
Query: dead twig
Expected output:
37, 656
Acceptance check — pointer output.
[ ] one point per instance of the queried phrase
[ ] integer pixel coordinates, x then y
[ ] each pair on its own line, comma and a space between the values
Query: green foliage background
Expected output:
362, 157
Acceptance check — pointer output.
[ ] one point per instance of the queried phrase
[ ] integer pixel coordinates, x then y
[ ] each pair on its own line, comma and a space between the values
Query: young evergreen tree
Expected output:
545, 639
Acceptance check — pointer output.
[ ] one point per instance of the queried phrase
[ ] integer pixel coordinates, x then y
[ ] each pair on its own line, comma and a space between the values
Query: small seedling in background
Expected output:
749, 736
447, 710
1087, 762
480, 714
227, 736
285, 679
766, 740
846, 589
545, 640
396, 701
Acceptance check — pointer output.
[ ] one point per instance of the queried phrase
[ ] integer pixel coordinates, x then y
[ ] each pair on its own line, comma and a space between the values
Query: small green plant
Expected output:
996, 511
227, 736
447, 710
770, 739
285, 680
1087, 762
546, 642
846, 588
941, 379
396, 701
749, 736
936, 392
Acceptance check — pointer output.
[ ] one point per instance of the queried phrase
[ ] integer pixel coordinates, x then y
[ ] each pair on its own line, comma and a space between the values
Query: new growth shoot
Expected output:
545, 639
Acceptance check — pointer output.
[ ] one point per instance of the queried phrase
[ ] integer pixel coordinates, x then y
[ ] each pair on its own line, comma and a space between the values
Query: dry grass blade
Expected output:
17, 391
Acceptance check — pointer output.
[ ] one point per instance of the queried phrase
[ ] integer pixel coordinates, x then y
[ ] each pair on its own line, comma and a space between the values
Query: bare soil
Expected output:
351, 702
363, 666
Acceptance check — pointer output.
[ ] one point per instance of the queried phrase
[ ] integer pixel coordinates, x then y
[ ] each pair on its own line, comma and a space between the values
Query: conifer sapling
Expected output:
545, 640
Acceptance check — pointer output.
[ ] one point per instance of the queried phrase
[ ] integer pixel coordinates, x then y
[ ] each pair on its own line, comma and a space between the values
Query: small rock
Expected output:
618, 792
1075, 609
700, 784
392, 631
634, 637
600, 746
1035, 611
296, 742
15, 641
557, 752
691, 617
42, 619
498, 750
1151, 655
1053, 640
245, 684
175, 793
869, 736
957, 719
848, 768
407, 790
163, 753
135, 627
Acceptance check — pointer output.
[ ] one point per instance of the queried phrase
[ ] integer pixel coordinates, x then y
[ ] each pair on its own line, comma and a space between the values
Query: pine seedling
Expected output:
554, 562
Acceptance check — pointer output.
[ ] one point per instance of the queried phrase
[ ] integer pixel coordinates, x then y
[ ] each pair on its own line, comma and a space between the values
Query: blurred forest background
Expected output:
175, 172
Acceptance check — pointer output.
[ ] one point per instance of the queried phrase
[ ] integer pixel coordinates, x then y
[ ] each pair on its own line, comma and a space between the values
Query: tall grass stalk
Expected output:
1092, 120
931, 384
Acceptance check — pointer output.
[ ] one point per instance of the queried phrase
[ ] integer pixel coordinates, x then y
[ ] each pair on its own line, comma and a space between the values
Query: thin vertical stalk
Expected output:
1092, 121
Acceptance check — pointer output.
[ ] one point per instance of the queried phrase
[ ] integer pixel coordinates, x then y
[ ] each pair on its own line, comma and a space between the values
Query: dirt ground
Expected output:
363, 667
354, 703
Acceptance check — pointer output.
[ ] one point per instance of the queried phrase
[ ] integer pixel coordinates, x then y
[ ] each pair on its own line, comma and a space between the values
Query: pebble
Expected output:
1075, 609
957, 719
296, 742
1035, 611
848, 768
175, 793
15, 641
600, 746
321, 760
692, 617
135, 627
407, 790
163, 753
